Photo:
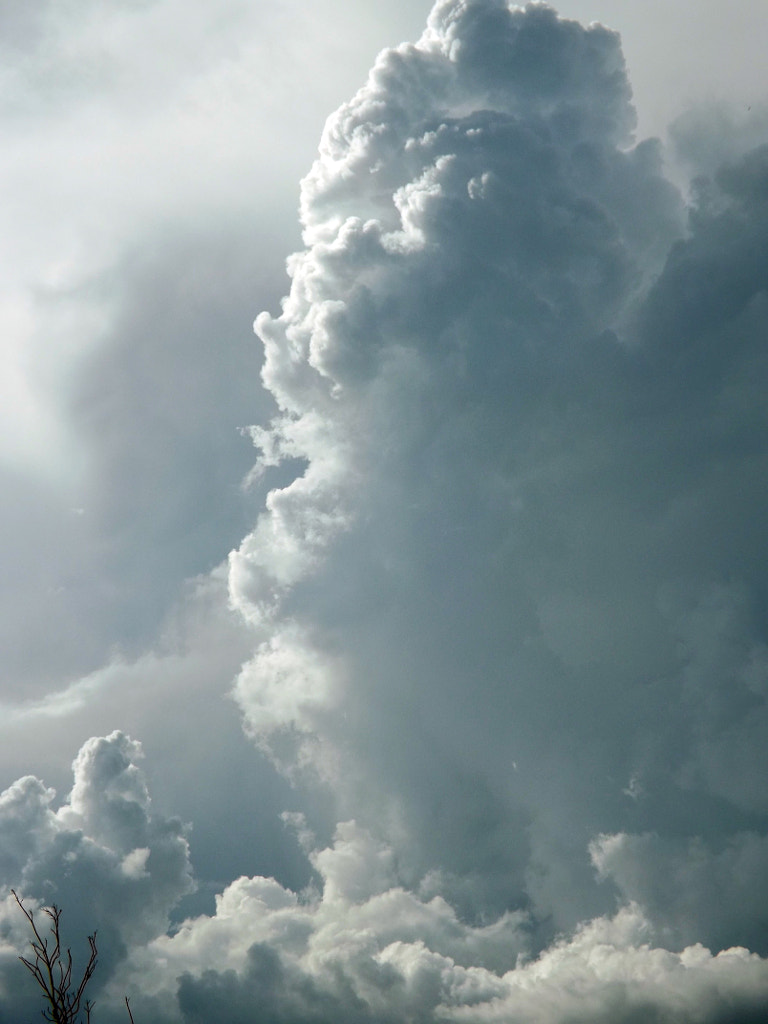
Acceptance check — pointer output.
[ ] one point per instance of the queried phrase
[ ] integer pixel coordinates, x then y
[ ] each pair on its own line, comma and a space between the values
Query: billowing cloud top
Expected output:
513, 603
511, 609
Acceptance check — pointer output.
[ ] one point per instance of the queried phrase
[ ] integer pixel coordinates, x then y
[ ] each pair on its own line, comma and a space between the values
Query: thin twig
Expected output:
52, 969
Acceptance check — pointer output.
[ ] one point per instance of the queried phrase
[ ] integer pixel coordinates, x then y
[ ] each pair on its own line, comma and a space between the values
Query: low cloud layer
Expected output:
509, 608
369, 950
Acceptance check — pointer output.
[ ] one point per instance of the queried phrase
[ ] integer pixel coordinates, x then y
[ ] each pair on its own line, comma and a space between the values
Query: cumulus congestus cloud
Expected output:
513, 606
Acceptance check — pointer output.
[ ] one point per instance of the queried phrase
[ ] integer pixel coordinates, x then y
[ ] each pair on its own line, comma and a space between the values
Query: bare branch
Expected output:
52, 969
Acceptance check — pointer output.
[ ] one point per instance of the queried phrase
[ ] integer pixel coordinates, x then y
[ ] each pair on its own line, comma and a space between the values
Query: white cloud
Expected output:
367, 953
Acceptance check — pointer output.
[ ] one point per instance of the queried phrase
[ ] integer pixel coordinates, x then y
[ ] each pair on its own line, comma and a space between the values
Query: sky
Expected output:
402, 656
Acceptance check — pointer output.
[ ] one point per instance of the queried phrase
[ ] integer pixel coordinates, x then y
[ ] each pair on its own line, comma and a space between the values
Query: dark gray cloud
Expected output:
116, 867
21, 25
157, 408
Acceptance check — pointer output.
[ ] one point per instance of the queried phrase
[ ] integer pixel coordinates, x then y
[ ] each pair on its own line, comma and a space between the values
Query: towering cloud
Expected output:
513, 604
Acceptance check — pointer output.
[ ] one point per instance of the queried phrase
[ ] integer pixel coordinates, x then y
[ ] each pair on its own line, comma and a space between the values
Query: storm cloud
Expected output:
506, 596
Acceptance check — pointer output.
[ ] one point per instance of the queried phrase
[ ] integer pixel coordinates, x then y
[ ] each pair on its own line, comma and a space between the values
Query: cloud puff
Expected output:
508, 594
112, 865
528, 542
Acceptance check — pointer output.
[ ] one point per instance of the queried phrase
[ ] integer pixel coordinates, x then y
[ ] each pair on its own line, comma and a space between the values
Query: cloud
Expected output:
370, 950
695, 889
313, 955
103, 856
529, 535
174, 697
144, 226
